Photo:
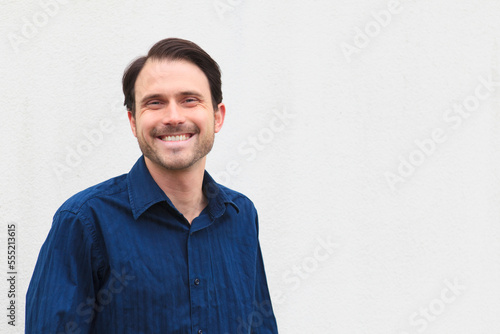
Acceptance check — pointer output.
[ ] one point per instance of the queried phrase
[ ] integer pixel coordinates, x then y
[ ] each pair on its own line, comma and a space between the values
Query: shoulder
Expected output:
109, 188
246, 213
241, 201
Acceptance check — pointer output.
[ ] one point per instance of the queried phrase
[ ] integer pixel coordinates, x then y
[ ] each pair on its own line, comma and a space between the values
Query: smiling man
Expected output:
164, 248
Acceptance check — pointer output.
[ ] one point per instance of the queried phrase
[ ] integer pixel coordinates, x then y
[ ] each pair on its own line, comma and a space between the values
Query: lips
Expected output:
179, 137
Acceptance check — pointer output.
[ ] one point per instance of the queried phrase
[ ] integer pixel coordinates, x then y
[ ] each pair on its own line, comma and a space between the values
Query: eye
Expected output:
154, 104
191, 101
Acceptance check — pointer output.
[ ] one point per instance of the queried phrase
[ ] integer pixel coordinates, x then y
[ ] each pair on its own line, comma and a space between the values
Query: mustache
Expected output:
170, 130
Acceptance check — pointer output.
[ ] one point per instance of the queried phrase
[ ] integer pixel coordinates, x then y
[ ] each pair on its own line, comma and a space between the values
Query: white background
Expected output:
344, 166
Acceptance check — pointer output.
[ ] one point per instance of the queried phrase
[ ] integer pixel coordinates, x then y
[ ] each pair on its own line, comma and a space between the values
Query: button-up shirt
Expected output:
120, 258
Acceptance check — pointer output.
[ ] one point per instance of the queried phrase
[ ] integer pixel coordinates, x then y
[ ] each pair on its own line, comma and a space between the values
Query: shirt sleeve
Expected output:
263, 319
61, 294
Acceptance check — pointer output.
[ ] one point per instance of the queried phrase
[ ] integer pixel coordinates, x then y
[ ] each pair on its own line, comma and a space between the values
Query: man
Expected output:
162, 249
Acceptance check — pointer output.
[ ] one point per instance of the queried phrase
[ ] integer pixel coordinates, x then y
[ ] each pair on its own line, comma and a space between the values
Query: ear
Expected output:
131, 119
219, 116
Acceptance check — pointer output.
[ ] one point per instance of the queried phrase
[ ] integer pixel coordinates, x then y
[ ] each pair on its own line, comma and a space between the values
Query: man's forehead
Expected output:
157, 71
159, 67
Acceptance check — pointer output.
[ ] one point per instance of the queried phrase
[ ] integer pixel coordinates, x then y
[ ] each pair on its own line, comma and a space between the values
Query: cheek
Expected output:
209, 122
144, 126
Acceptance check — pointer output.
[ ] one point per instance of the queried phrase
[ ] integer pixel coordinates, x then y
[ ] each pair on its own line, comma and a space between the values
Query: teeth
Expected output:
175, 138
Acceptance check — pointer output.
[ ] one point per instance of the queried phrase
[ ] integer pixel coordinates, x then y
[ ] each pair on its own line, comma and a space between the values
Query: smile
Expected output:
181, 137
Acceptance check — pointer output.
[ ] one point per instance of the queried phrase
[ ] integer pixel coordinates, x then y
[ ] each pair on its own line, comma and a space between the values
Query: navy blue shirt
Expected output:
120, 258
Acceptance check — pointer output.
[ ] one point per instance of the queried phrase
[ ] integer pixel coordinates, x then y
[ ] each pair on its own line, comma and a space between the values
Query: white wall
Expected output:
355, 108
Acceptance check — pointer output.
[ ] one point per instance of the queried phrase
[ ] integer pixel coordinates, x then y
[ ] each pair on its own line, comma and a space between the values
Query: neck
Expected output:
183, 187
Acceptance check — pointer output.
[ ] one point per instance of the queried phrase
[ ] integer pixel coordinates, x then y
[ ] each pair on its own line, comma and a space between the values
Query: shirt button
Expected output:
200, 331
197, 282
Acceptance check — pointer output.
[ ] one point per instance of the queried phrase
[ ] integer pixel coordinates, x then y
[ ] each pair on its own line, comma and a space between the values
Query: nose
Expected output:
173, 115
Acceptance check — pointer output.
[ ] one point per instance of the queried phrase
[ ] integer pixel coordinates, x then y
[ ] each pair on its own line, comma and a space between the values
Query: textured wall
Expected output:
366, 132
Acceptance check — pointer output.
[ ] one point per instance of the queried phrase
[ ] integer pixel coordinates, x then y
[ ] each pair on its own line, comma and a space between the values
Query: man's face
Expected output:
174, 122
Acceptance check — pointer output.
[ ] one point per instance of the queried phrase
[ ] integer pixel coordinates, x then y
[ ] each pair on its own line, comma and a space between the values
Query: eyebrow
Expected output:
149, 97
190, 92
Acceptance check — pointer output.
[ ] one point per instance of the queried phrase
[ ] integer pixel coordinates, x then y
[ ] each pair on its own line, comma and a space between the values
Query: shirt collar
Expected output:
144, 192
217, 197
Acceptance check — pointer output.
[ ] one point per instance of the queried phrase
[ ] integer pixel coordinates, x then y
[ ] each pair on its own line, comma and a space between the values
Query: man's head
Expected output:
174, 49
173, 97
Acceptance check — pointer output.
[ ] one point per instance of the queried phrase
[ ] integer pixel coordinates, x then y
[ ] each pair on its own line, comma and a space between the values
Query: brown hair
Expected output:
174, 49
